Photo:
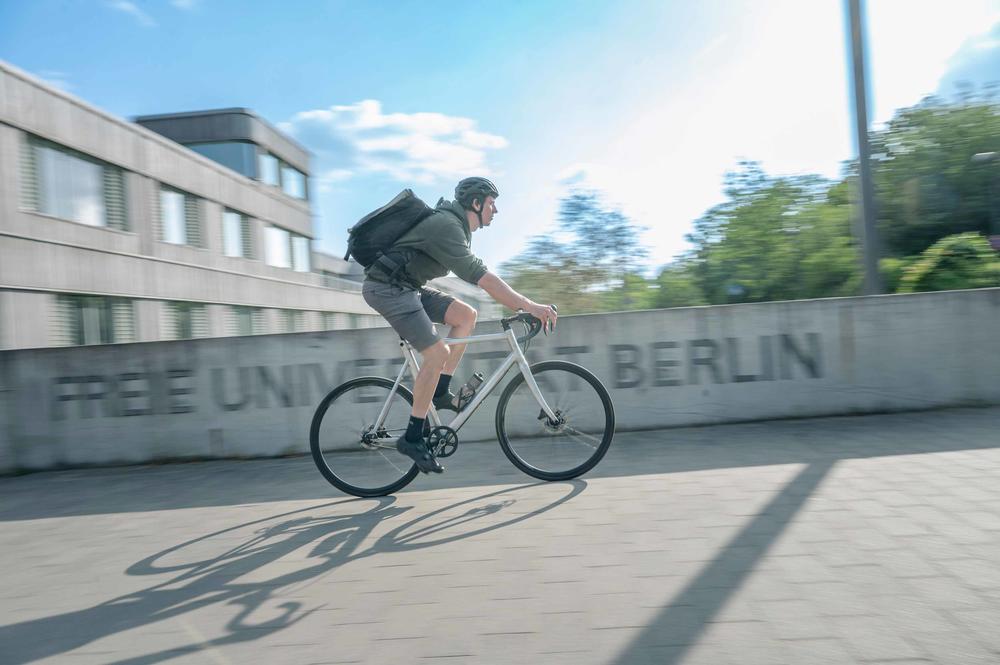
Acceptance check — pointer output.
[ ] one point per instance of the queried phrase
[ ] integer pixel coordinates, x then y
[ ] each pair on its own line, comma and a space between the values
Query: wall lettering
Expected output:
667, 363
732, 360
627, 372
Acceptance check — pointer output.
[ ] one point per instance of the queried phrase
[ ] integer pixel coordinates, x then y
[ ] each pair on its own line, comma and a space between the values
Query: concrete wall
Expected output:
255, 395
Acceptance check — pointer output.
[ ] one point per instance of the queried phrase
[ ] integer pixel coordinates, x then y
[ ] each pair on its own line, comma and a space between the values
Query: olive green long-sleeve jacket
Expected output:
442, 243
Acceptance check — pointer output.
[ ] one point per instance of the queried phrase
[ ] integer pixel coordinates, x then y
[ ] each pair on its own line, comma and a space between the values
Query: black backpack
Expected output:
376, 232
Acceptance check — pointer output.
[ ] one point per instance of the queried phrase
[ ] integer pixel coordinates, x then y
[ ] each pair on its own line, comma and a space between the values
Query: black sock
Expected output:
443, 382
415, 430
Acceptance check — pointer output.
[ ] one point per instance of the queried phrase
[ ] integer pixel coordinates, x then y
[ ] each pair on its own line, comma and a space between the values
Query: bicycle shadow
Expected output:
331, 540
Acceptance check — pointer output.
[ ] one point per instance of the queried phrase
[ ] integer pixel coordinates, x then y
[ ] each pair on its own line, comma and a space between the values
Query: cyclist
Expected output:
437, 245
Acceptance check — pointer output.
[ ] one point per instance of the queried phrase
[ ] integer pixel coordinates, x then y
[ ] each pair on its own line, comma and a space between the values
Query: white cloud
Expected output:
328, 178
127, 7
408, 147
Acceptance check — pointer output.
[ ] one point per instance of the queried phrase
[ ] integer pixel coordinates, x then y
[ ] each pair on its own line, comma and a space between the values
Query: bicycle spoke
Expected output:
390, 462
357, 458
573, 430
556, 450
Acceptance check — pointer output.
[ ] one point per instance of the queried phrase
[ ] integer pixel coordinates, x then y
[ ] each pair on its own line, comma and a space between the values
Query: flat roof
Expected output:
235, 110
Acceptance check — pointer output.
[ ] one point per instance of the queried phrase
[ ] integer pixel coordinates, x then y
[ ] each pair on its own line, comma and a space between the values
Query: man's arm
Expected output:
500, 291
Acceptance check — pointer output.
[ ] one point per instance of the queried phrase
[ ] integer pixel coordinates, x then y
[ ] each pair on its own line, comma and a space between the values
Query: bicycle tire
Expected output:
528, 440
337, 447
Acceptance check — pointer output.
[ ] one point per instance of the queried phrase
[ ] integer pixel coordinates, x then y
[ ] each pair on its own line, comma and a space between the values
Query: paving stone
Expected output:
818, 652
843, 540
871, 639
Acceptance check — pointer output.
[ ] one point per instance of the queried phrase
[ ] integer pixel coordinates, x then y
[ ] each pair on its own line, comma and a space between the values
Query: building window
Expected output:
337, 321
186, 320
278, 248
268, 167
180, 217
236, 155
300, 253
84, 320
246, 320
236, 234
67, 184
277, 173
284, 249
294, 321
293, 182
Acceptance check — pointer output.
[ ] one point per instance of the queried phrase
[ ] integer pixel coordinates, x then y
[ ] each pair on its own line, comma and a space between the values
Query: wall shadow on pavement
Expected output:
322, 538
668, 637
235, 482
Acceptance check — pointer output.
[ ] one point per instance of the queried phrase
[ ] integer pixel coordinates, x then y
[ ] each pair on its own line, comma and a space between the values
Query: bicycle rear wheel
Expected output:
569, 446
347, 449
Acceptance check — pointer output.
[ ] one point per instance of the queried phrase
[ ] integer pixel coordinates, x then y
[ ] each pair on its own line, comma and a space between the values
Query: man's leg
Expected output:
462, 319
433, 360
412, 442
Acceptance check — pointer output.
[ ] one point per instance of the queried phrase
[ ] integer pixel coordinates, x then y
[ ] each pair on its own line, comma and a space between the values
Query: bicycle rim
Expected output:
565, 448
348, 451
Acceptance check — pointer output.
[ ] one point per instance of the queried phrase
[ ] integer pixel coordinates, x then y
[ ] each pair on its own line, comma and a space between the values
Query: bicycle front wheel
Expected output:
572, 444
350, 452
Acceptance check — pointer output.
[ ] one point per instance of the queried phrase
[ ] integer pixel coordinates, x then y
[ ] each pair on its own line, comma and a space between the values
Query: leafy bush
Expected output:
962, 261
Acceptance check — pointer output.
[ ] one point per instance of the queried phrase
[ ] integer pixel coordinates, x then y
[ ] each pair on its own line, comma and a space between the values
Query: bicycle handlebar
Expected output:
533, 324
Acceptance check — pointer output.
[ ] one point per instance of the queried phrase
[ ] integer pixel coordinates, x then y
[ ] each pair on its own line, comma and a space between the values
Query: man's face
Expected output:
489, 210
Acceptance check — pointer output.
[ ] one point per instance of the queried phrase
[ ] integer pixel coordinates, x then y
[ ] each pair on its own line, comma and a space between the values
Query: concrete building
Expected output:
170, 227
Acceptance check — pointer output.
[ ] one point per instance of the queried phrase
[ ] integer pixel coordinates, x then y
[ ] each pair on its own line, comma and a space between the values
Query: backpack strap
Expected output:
394, 270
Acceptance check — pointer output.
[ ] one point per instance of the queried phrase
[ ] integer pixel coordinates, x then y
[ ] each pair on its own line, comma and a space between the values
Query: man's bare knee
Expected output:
461, 316
471, 316
436, 355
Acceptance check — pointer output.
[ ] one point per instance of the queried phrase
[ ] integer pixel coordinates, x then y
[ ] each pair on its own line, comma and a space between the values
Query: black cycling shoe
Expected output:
447, 402
417, 451
450, 402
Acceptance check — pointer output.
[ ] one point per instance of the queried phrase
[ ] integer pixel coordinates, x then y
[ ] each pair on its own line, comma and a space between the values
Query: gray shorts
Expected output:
410, 312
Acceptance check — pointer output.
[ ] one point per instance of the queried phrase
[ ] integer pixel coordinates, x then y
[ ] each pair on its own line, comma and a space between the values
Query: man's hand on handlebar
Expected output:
545, 313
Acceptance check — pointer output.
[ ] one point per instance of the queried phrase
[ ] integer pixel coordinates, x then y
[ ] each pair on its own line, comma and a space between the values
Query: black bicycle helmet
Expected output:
470, 189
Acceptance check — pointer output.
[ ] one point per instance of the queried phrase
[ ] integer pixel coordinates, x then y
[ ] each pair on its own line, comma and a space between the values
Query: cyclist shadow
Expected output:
440, 526
321, 544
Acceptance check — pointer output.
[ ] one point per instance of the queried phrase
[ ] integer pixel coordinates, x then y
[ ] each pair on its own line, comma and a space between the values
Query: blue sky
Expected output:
649, 101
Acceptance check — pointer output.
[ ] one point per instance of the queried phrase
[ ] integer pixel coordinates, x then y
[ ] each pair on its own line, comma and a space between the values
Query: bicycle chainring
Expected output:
443, 441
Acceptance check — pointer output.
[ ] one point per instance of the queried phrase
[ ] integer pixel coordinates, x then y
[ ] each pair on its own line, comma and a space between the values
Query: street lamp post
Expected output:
986, 158
866, 193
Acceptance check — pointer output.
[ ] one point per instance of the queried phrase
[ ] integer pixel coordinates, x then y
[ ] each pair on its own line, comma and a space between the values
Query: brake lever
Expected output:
550, 325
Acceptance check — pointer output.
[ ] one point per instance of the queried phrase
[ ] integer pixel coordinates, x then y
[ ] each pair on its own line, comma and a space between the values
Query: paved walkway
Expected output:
838, 540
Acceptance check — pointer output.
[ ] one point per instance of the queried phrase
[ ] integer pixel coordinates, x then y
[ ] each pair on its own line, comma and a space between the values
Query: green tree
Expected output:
677, 286
926, 185
962, 261
633, 292
593, 251
775, 239
780, 238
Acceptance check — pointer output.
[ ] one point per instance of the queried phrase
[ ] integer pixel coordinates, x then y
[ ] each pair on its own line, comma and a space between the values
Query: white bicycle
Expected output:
554, 419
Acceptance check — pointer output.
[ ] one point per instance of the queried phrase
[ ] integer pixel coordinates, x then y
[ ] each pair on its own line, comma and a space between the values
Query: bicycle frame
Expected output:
516, 357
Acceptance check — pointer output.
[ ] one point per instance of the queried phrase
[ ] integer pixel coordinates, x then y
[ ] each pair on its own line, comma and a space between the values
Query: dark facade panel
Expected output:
234, 124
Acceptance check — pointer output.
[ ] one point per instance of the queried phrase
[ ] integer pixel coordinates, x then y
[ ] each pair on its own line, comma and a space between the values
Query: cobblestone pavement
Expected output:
839, 540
